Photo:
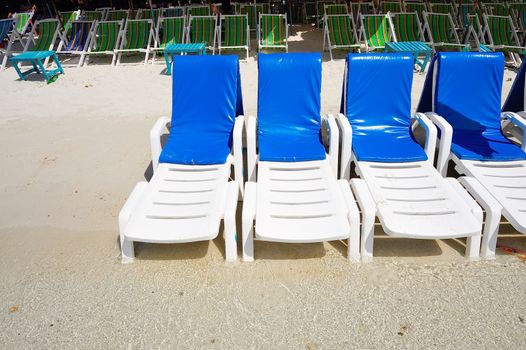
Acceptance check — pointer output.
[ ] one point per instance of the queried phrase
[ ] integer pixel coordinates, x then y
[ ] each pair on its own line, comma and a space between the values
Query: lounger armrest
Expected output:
518, 121
250, 124
431, 135
237, 151
334, 141
444, 144
155, 140
346, 136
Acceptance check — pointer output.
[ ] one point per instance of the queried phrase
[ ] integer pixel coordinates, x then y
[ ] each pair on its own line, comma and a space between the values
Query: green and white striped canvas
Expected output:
107, 33
234, 31
202, 30
273, 30
406, 26
46, 35
137, 33
172, 31
376, 30
340, 31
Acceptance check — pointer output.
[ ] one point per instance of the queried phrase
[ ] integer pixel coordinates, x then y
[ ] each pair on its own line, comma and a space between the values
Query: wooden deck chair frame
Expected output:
64, 41
515, 57
362, 35
435, 45
189, 30
146, 51
220, 46
93, 42
320, 10
327, 39
157, 39
261, 46
478, 36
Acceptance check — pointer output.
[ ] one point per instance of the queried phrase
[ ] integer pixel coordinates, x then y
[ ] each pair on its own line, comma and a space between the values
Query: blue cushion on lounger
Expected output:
206, 98
467, 93
515, 100
377, 101
289, 123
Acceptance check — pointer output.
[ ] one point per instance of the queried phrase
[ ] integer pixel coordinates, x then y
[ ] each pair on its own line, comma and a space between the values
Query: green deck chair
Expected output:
464, 11
418, 7
234, 33
361, 8
104, 40
48, 30
137, 37
253, 12
476, 31
444, 8
335, 9
375, 31
502, 36
340, 33
22, 21
169, 30
116, 15
390, 6
440, 29
202, 29
66, 19
519, 13
198, 11
273, 32
177, 11
152, 14
92, 15
406, 27
320, 10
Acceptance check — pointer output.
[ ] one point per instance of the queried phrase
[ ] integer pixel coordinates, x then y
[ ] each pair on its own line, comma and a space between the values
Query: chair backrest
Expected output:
465, 88
414, 6
497, 9
198, 11
440, 7
107, 35
376, 30
234, 30
174, 11
137, 34
173, 30
390, 6
80, 32
202, 29
406, 26
66, 18
377, 99
92, 15
253, 11
22, 21
515, 100
116, 15
5, 27
361, 8
47, 33
206, 98
501, 30
464, 11
441, 28
341, 30
289, 93
336, 9
273, 29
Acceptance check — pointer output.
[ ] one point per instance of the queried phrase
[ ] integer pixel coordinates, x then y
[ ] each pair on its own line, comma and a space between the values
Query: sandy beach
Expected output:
72, 152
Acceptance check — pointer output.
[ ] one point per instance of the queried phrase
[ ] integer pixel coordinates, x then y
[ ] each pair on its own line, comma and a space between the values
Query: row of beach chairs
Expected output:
299, 186
117, 37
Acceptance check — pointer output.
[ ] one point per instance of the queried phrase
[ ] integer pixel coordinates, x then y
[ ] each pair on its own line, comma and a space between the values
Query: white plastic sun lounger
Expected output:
190, 191
398, 182
294, 197
472, 138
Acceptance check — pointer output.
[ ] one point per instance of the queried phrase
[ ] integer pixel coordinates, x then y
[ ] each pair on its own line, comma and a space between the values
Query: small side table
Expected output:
36, 59
415, 47
177, 49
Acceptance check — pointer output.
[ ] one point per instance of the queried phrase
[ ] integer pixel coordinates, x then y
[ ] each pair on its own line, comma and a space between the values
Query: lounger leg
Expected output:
127, 250
353, 244
368, 207
230, 222
249, 214
473, 247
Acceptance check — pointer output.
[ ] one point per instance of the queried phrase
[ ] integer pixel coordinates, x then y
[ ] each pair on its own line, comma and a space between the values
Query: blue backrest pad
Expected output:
515, 100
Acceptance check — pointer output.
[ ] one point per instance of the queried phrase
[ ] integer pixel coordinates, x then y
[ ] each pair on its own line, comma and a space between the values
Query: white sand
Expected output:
72, 152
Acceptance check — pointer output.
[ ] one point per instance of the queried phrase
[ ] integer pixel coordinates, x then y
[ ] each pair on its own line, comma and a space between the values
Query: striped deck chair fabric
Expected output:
519, 12
361, 8
441, 30
502, 35
107, 34
172, 31
198, 11
464, 11
116, 15
273, 32
335, 9
406, 27
137, 34
340, 33
80, 33
22, 21
253, 11
66, 19
234, 33
47, 33
174, 11
375, 31
442, 8
152, 14
497, 9
5, 28
392, 6
92, 15
203, 30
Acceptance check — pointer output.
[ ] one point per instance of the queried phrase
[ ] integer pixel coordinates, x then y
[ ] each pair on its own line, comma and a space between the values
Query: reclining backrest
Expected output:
515, 100
206, 98
465, 88
289, 90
